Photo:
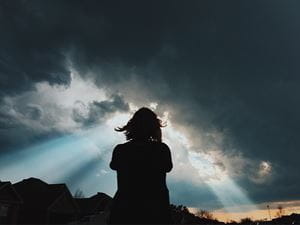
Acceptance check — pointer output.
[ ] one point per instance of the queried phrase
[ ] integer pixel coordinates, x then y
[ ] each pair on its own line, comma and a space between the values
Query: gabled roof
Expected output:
7, 188
37, 193
3, 184
93, 204
66, 192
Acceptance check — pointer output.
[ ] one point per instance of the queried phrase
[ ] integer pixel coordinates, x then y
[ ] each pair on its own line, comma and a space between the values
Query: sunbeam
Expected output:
188, 162
74, 159
81, 160
226, 190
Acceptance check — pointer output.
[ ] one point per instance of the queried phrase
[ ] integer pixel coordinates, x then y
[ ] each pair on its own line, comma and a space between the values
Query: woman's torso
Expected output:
142, 195
141, 167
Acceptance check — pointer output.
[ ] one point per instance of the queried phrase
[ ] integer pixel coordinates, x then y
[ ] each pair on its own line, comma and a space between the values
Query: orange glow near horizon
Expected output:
289, 207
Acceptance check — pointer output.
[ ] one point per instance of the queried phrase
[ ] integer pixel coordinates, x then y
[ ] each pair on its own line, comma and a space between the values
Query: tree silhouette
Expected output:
280, 211
204, 214
246, 220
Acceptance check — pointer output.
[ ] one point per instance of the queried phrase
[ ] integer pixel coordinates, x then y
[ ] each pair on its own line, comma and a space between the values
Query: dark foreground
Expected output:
33, 201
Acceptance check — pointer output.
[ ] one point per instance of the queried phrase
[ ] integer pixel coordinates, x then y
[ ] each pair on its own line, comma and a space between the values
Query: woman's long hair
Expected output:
144, 125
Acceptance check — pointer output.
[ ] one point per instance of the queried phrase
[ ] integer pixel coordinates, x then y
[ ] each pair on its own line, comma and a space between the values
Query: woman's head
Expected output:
144, 125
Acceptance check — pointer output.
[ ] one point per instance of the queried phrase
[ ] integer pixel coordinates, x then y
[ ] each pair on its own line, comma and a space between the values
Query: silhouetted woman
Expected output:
141, 164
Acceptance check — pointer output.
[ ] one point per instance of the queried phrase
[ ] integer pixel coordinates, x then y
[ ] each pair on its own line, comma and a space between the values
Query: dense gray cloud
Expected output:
23, 124
97, 111
27, 55
36, 116
222, 66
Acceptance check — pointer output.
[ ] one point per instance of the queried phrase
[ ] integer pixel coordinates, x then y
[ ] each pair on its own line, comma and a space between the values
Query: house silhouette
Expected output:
10, 202
94, 204
45, 203
94, 210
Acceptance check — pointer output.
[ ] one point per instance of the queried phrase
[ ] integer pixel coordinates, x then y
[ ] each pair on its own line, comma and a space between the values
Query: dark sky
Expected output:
226, 69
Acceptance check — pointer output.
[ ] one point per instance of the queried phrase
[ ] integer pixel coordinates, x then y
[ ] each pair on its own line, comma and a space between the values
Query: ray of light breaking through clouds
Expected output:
81, 160
224, 188
63, 159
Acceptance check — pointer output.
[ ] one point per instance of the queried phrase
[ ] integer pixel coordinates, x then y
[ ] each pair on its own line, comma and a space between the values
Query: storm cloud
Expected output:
226, 71
97, 111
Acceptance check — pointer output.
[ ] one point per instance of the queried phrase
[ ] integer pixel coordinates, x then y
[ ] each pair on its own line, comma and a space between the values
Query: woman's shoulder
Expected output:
164, 145
161, 145
165, 148
132, 144
125, 145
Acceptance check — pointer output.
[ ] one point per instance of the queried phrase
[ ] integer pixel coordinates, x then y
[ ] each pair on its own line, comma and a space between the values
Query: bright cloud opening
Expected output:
87, 150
